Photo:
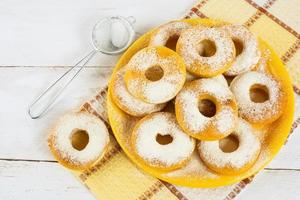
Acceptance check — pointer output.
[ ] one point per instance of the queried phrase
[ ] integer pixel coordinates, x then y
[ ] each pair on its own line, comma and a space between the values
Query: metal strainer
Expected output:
111, 36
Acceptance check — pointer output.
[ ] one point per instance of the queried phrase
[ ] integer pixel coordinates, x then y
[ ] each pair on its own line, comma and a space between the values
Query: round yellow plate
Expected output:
196, 174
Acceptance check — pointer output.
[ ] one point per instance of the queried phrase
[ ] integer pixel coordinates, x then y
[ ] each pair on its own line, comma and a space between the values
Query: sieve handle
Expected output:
44, 101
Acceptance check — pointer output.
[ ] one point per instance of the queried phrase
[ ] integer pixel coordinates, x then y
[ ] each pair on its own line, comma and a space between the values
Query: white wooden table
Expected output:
39, 40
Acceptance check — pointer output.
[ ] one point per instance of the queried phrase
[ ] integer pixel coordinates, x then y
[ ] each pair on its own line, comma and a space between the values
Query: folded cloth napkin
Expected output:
115, 177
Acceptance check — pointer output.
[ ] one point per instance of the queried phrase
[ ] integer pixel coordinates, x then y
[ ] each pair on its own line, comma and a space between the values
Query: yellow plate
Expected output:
196, 174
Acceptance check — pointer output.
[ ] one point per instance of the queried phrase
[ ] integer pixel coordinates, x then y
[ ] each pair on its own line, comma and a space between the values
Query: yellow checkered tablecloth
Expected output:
115, 177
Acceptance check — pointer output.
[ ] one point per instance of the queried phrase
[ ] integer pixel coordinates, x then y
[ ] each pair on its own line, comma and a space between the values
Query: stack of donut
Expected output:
215, 80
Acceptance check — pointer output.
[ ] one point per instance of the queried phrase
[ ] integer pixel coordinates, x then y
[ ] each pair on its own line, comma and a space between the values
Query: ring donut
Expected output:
236, 160
155, 74
263, 108
128, 103
167, 34
220, 78
263, 63
159, 142
78, 140
207, 52
206, 109
247, 50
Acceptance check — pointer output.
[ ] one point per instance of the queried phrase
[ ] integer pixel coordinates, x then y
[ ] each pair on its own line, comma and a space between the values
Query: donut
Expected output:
260, 97
155, 74
232, 160
125, 101
78, 140
207, 52
167, 34
247, 50
220, 78
190, 77
158, 141
262, 65
206, 109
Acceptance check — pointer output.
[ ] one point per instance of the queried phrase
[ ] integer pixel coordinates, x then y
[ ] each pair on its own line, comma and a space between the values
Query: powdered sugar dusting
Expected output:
188, 44
215, 88
221, 79
247, 152
126, 101
162, 89
187, 106
241, 85
250, 54
95, 128
164, 32
194, 120
148, 148
225, 120
159, 91
194, 167
263, 62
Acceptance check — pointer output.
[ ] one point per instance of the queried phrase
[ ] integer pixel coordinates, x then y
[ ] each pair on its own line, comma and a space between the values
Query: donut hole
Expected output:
79, 139
207, 107
172, 41
229, 144
164, 139
259, 93
239, 46
154, 73
207, 48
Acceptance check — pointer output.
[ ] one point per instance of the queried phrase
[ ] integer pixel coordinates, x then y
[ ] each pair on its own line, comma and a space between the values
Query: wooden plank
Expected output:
22, 137
57, 33
275, 185
33, 180
39, 180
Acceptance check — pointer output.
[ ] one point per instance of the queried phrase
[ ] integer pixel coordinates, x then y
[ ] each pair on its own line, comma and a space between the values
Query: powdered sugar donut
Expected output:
237, 160
260, 97
206, 52
247, 50
168, 33
78, 140
190, 77
220, 78
159, 142
126, 101
206, 109
155, 74
263, 63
